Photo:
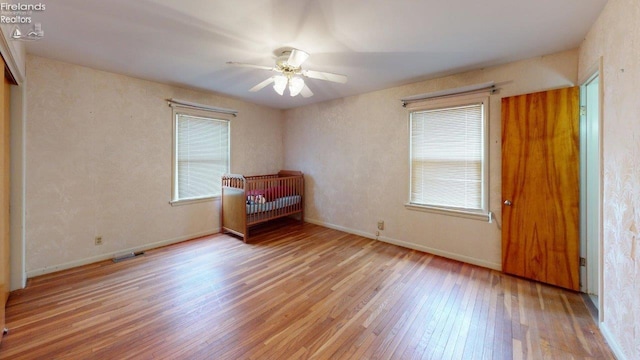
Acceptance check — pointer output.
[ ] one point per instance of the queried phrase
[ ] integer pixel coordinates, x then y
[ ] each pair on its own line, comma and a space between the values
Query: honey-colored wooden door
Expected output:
4, 197
540, 186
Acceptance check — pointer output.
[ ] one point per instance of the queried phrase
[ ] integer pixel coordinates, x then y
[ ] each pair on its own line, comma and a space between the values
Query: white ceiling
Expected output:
376, 43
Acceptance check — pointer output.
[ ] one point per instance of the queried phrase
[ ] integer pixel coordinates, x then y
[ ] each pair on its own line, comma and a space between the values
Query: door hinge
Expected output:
583, 261
583, 111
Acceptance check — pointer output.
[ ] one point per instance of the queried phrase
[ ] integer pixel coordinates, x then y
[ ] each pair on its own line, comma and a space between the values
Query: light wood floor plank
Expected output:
298, 292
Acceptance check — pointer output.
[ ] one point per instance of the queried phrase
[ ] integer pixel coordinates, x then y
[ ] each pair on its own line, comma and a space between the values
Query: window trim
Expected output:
450, 102
209, 115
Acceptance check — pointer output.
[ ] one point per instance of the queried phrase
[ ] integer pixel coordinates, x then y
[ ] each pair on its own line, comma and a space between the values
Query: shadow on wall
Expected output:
309, 205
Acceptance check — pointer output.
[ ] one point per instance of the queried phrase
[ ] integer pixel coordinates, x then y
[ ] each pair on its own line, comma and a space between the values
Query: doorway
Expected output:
590, 191
5, 191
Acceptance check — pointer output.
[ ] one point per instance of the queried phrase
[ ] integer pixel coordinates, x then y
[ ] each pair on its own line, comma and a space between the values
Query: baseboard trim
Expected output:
410, 245
101, 257
613, 344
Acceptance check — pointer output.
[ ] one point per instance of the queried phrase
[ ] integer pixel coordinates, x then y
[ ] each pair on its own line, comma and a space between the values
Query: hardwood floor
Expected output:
303, 291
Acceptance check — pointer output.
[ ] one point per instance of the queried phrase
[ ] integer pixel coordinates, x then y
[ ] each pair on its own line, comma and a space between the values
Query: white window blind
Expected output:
202, 156
447, 157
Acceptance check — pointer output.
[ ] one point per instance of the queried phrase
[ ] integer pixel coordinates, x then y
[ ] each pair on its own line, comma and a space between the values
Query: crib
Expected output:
251, 200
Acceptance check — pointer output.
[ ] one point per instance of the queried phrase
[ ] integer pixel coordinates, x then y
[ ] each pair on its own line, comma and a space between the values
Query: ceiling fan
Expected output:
289, 65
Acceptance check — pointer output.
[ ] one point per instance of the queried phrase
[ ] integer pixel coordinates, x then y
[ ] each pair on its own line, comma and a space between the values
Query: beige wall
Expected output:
616, 38
98, 162
355, 155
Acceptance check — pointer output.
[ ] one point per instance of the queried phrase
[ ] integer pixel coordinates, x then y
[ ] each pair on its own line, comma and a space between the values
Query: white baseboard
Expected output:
111, 255
613, 344
410, 245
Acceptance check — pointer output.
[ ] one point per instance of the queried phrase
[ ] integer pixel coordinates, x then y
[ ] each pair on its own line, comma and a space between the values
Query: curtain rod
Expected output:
192, 105
448, 92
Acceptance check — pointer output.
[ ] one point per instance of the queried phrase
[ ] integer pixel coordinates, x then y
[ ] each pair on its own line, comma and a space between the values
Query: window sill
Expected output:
451, 212
193, 201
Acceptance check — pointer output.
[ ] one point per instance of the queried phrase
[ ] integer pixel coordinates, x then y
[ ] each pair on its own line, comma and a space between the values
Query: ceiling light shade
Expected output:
280, 83
295, 86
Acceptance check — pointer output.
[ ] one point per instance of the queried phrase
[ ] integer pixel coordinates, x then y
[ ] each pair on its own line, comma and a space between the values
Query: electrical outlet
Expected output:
98, 240
381, 225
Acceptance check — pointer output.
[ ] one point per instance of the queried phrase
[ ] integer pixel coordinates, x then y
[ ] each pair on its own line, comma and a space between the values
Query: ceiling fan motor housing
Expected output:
282, 62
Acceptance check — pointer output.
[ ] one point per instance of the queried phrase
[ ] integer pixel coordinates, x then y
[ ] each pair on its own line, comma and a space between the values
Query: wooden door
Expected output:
540, 186
4, 197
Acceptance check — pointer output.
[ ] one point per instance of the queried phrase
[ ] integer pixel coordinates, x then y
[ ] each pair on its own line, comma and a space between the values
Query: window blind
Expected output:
447, 157
202, 156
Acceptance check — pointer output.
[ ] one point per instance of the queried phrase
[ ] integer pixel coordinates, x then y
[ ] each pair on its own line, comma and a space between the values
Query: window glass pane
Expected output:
202, 156
447, 154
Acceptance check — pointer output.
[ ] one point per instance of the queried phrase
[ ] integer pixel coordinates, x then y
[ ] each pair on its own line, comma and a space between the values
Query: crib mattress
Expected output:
273, 205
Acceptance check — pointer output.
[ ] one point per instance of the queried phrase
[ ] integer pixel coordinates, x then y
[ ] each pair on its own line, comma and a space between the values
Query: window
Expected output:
201, 156
449, 155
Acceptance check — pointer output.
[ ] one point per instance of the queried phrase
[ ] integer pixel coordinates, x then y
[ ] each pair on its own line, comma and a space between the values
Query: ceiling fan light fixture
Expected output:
295, 86
291, 75
280, 83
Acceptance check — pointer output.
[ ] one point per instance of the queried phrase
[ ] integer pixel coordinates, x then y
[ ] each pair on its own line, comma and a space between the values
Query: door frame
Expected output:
596, 70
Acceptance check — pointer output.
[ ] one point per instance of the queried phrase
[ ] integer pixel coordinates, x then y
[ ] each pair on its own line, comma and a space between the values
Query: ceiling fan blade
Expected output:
306, 92
321, 75
297, 57
262, 84
251, 66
